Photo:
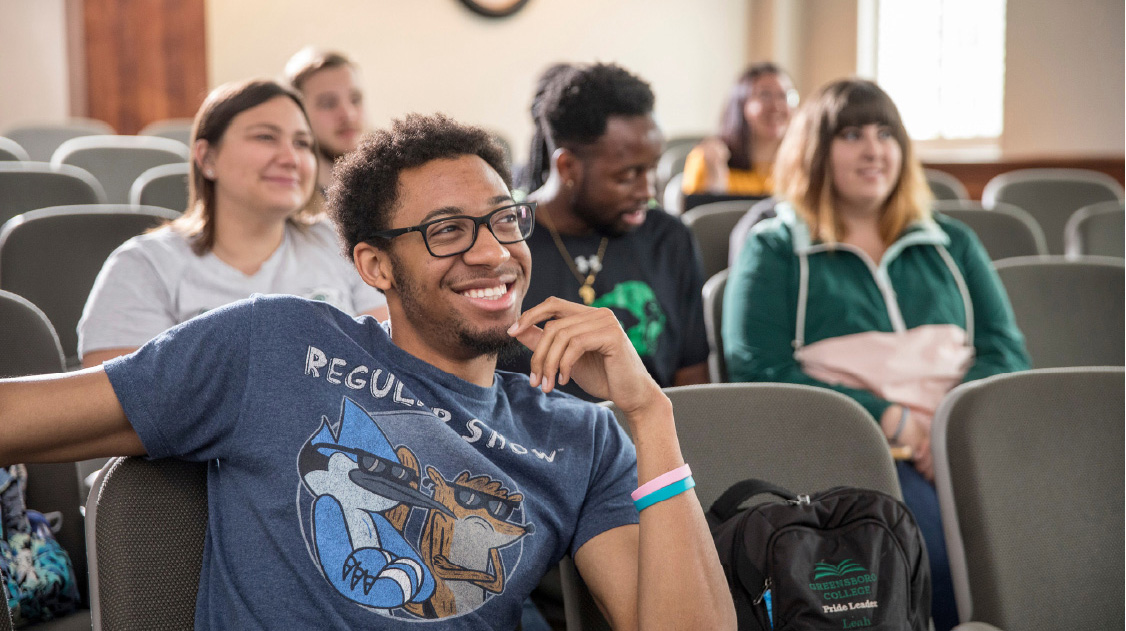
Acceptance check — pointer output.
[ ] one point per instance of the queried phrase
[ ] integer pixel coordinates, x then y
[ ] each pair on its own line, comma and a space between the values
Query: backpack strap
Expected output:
727, 505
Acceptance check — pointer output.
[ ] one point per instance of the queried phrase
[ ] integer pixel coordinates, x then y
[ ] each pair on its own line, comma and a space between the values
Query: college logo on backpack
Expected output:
845, 558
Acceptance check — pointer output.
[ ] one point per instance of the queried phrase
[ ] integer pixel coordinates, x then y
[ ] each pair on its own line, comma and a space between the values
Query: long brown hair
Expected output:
802, 172
734, 129
211, 123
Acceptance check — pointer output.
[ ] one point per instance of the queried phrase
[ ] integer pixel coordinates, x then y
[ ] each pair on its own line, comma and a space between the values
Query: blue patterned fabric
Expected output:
36, 572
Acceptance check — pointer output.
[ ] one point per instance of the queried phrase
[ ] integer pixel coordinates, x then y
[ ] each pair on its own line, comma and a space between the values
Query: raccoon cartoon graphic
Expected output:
364, 491
462, 541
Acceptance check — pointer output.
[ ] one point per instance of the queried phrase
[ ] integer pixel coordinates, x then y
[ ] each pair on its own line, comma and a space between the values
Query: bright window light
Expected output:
943, 63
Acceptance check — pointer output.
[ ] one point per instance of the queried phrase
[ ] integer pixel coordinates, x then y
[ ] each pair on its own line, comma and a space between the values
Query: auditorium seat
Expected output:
28, 342
29, 346
673, 197
945, 186
165, 186
1005, 230
11, 150
1051, 196
1070, 310
26, 186
1029, 476
41, 140
117, 161
145, 527
713, 325
671, 163
1098, 230
711, 224
51, 256
733, 431
178, 129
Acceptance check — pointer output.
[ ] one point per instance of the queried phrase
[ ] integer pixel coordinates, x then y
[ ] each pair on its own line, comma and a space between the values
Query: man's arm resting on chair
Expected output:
664, 573
63, 418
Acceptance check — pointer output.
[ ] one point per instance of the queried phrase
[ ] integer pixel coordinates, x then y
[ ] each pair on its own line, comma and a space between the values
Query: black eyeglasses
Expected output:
450, 236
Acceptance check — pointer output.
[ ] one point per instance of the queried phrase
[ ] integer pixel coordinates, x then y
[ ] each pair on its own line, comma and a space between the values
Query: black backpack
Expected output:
845, 558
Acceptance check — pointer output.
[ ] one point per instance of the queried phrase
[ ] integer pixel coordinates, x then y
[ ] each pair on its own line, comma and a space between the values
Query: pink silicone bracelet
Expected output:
661, 481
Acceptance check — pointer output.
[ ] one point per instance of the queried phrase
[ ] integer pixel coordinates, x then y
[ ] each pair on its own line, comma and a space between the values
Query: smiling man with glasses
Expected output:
363, 476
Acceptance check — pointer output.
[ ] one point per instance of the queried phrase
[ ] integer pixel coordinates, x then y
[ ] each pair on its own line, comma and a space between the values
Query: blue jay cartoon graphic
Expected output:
359, 481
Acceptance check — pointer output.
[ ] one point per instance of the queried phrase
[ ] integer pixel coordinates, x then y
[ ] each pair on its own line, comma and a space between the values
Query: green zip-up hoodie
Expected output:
848, 293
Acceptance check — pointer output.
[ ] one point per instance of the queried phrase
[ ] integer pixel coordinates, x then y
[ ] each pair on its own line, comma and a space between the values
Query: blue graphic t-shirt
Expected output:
352, 485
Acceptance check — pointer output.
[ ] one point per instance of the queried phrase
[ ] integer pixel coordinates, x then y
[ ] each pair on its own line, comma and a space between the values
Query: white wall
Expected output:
1064, 92
33, 62
435, 55
1065, 79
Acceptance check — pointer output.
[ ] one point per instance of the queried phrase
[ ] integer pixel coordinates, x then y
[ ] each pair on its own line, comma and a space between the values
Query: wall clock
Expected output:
495, 8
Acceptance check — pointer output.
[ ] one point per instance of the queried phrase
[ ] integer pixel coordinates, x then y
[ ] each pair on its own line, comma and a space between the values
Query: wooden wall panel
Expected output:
145, 60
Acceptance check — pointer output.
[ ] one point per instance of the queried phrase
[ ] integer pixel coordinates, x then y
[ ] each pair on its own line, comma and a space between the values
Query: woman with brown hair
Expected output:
247, 229
740, 160
856, 286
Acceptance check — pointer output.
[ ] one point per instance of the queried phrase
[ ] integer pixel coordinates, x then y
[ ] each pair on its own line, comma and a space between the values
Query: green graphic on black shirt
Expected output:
641, 315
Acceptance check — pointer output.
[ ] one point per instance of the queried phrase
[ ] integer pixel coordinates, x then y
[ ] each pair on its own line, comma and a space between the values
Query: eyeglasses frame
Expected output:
477, 223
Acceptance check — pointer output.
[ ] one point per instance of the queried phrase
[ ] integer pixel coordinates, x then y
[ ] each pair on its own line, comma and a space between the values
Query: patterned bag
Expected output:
37, 575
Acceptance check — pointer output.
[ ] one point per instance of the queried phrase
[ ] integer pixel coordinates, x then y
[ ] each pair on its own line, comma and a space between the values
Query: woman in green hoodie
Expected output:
856, 286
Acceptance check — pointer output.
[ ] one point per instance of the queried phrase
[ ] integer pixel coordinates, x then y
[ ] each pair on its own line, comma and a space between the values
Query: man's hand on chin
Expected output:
588, 345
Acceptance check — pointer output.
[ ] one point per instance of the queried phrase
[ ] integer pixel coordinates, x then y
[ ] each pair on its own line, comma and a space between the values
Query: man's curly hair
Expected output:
366, 189
577, 103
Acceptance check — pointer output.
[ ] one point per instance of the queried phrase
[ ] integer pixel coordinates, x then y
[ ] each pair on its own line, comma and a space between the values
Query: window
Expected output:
943, 63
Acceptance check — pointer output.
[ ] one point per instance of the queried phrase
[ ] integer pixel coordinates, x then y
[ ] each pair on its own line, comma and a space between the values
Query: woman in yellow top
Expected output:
740, 160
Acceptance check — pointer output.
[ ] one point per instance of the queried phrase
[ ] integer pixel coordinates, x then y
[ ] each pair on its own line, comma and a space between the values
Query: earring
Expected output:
210, 173
570, 183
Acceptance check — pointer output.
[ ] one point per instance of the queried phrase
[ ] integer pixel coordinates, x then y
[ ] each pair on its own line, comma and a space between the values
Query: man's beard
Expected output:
596, 220
488, 342
503, 345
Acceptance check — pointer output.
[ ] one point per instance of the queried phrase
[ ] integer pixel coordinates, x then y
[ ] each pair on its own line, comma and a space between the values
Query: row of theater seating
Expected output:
1005, 230
1070, 310
38, 142
51, 256
1028, 468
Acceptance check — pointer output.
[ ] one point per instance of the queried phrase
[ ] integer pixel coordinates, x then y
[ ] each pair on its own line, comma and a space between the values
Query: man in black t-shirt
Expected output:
600, 240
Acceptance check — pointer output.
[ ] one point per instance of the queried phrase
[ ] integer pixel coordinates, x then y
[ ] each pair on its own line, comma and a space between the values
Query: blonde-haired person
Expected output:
247, 230
329, 82
856, 286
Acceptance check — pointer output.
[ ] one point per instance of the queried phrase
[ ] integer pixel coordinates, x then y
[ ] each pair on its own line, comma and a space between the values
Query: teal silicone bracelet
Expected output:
664, 493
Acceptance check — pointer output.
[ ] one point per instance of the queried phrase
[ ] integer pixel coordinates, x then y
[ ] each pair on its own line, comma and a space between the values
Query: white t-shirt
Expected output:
154, 282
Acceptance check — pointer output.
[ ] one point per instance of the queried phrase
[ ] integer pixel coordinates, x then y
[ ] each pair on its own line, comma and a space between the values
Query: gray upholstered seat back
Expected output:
711, 224
165, 186
1051, 196
1005, 230
117, 161
27, 186
28, 344
51, 256
1097, 230
1070, 310
146, 525
1029, 473
41, 140
801, 437
713, 326
945, 186
11, 150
